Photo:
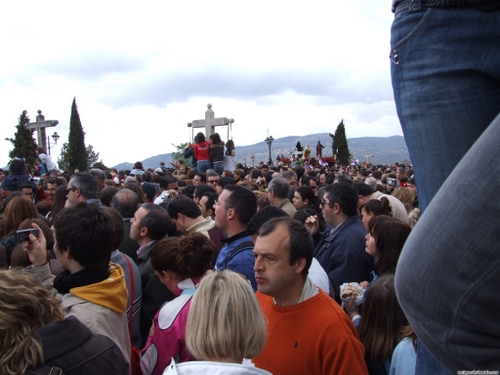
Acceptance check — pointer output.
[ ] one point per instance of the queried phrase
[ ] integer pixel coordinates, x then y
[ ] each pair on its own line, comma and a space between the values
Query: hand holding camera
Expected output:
36, 246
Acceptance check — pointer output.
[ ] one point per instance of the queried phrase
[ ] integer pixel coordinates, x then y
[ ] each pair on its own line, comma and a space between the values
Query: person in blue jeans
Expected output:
445, 67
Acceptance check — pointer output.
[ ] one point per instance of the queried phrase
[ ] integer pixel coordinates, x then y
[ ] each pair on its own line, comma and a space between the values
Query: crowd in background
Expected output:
129, 303
168, 227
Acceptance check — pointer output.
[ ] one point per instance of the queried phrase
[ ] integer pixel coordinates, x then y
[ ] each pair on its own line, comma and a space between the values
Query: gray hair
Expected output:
372, 182
89, 188
99, 173
280, 186
289, 174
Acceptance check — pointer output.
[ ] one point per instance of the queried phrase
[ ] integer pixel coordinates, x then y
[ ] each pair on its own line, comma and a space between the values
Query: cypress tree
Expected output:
23, 142
340, 146
76, 152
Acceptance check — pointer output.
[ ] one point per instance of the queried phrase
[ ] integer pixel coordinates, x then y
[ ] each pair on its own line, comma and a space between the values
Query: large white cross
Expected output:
40, 126
210, 122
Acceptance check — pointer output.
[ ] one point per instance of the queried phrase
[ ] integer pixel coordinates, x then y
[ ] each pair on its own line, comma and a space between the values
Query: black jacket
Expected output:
71, 346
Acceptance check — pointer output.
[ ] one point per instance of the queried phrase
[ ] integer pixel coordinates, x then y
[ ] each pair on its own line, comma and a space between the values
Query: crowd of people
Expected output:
148, 261
308, 268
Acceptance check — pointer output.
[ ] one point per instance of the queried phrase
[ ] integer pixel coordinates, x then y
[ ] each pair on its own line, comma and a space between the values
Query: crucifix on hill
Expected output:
210, 122
40, 126
297, 154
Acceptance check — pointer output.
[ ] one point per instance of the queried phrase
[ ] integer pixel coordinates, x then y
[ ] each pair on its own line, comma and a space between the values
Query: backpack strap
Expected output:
238, 249
132, 287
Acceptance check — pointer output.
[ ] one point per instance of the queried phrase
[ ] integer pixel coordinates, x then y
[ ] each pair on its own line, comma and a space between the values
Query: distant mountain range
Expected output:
377, 150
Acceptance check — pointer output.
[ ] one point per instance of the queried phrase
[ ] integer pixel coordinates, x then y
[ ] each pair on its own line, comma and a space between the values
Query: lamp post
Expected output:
55, 136
269, 140
253, 160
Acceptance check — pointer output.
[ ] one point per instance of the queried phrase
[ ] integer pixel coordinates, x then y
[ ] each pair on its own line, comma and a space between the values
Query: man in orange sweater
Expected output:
308, 332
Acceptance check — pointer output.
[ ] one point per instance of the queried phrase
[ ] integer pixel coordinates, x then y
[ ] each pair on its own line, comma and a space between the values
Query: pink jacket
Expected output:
168, 340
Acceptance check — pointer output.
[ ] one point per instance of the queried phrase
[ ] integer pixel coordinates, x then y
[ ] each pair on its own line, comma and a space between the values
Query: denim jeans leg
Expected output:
448, 279
219, 168
445, 67
426, 364
203, 165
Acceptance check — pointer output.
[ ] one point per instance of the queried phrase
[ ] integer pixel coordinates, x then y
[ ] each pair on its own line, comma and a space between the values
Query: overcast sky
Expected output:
141, 71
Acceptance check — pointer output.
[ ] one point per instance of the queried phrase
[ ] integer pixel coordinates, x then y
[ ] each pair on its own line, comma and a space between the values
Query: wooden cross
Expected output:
40, 126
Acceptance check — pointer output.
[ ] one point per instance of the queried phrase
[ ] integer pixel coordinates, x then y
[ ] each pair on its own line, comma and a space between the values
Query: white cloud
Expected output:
141, 71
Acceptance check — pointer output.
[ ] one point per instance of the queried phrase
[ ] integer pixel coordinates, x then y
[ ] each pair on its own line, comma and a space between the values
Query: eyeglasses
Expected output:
217, 203
212, 181
323, 202
70, 189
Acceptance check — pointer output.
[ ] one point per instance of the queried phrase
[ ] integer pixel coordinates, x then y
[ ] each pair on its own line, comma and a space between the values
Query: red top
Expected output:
202, 151
312, 337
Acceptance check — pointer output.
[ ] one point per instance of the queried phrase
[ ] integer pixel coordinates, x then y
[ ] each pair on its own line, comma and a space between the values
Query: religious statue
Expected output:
319, 149
307, 152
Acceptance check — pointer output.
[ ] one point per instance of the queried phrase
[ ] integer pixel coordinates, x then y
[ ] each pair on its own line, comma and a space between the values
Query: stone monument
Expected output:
40, 126
210, 122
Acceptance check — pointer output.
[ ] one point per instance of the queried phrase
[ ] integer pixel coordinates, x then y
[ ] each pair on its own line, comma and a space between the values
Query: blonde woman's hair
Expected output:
405, 196
24, 306
225, 319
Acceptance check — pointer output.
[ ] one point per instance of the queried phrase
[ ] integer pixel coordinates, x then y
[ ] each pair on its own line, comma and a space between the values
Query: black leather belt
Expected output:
481, 4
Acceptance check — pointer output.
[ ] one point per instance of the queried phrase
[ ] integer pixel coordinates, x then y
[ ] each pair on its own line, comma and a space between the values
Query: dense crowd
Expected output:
142, 261
302, 267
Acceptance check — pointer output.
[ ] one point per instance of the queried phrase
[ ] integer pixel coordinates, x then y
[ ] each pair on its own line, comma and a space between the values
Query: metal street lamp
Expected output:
269, 140
55, 136
253, 160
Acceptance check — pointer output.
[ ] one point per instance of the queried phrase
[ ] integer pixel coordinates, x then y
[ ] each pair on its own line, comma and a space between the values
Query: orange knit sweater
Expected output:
313, 337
